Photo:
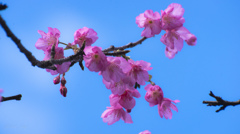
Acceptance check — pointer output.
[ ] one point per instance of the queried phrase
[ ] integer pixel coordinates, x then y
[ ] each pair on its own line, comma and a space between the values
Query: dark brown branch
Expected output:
42, 64
53, 52
16, 97
220, 102
129, 45
117, 53
3, 6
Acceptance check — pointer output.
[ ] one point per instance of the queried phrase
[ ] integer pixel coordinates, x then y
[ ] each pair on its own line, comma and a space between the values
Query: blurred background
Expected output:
213, 64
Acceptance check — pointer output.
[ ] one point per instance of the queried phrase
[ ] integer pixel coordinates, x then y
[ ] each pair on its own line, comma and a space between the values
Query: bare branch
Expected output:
220, 102
3, 6
117, 53
129, 45
16, 97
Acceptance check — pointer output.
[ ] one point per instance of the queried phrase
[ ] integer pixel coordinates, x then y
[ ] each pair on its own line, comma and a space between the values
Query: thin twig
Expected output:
3, 6
220, 102
117, 53
129, 45
16, 97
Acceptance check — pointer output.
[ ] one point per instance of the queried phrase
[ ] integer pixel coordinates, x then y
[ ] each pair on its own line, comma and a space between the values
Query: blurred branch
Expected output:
16, 97
2, 6
129, 45
220, 102
49, 64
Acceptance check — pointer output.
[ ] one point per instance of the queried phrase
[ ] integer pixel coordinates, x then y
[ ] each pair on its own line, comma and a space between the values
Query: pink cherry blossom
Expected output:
85, 34
172, 17
173, 39
164, 109
154, 95
114, 113
58, 55
150, 21
48, 39
126, 100
120, 86
95, 60
139, 70
0, 94
113, 71
145, 132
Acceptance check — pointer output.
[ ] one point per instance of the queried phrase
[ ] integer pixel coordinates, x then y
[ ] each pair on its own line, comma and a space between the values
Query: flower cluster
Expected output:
171, 20
154, 96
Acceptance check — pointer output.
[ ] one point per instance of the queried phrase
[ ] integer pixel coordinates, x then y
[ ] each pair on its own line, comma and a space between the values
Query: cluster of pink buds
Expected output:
171, 20
120, 74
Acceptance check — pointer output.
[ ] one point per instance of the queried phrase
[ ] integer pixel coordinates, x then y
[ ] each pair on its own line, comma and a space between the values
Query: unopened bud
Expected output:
63, 81
63, 91
56, 80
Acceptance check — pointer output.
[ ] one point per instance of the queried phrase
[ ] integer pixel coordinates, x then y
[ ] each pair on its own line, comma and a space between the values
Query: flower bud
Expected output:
56, 80
63, 91
63, 81
129, 110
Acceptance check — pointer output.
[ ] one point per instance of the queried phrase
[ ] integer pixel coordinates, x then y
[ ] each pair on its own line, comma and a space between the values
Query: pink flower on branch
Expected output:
48, 39
95, 60
154, 95
58, 55
150, 21
85, 34
114, 114
173, 39
164, 109
126, 100
145, 132
139, 70
172, 17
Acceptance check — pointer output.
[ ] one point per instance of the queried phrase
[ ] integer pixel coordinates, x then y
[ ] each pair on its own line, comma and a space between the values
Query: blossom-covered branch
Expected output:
49, 64
15, 97
220, 102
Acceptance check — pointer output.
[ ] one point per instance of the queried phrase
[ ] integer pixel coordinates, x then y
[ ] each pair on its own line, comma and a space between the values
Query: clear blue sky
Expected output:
213, 64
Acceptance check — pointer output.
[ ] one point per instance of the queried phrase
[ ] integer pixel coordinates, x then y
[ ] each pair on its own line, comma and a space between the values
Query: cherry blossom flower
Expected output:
58, 55
154, 95
126, 100
172, 17
145, 132
114, 114
85, 34
48, 39
113, 71
150, 21
95, 60
139, 71
173, 39
164, 109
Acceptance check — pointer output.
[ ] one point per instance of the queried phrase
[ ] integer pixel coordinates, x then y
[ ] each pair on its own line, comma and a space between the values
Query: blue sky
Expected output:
213, 64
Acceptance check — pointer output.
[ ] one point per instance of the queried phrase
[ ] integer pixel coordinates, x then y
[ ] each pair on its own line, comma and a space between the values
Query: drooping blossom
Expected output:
164, 109
145, 132
150, 21
172, 17
0, 94
114, 114
113, 71
56, 80
48, 39
85, 34
120, 86
95, 60
173, 39
58, 55
139, 70
154, 94
63, 90
126, 100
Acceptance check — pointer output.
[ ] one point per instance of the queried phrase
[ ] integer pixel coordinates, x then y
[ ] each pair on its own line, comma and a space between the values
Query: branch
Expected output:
129, 45
16, 97
3, 6
117, 53
220, 102
49, 64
